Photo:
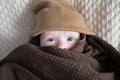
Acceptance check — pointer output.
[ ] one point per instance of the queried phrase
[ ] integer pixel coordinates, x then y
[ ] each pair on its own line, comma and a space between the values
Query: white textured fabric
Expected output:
16, 21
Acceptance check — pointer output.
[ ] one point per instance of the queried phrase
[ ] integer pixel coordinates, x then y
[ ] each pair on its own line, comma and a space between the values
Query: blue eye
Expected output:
51, 39
71, 39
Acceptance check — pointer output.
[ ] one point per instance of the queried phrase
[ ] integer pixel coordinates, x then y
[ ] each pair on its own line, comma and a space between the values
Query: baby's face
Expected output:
60, 39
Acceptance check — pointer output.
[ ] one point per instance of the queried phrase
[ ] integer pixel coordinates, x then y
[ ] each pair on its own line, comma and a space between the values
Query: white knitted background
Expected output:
16, 21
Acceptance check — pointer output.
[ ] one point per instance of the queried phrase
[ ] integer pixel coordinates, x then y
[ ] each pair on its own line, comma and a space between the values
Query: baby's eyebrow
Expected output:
47, 37
72, 35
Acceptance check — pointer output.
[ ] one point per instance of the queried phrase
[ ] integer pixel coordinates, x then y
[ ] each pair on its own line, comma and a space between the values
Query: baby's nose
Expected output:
62, 45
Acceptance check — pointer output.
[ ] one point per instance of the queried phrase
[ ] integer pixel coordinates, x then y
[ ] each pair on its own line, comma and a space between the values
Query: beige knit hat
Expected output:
57, 15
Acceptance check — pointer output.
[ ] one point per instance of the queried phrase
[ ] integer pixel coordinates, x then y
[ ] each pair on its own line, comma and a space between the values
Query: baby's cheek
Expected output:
72, 45
45, 44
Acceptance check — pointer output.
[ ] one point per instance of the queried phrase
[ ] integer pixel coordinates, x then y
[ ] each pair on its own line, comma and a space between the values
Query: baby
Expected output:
58, 24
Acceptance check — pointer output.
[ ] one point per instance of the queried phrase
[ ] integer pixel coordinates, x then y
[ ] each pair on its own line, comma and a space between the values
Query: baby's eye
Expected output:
51, 39
71, 39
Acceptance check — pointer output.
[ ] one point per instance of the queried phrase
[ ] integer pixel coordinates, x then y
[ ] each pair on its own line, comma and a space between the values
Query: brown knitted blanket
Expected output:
93, 59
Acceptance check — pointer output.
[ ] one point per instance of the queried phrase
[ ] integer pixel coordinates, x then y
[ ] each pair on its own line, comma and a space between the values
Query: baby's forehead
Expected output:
60, 33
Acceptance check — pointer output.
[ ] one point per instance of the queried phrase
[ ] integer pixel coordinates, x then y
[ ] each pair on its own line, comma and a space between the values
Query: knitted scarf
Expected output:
92, 59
